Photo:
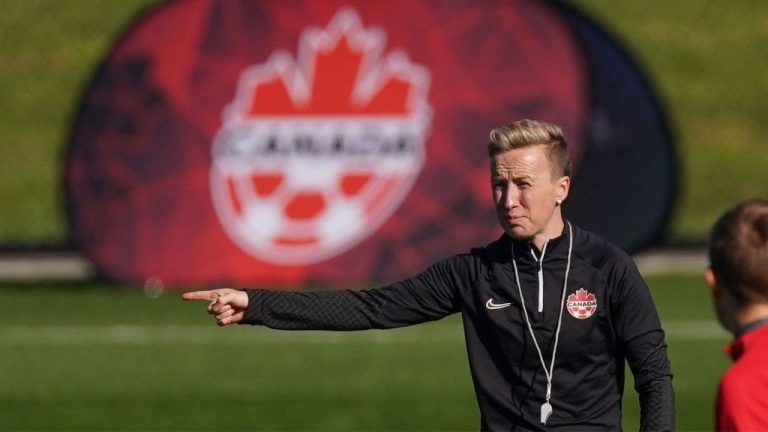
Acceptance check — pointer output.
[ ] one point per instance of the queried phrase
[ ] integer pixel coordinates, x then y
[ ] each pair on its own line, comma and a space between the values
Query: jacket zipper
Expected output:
540, 262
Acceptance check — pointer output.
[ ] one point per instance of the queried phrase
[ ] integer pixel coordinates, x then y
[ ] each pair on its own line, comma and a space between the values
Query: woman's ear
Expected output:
563, 186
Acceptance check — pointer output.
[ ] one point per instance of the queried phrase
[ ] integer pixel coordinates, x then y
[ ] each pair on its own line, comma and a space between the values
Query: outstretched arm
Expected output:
428, 296
393, 306
227, 305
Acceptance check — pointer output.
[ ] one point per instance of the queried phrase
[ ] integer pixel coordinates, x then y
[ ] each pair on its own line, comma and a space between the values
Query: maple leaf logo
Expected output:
581, 295
339, 71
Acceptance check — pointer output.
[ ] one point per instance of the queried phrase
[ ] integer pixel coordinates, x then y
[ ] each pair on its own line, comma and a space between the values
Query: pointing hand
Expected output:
226, 304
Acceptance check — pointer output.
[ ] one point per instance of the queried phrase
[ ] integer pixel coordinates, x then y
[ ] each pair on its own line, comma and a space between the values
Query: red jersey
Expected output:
742, 404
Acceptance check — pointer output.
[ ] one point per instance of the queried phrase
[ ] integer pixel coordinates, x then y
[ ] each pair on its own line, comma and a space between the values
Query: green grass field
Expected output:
100, 357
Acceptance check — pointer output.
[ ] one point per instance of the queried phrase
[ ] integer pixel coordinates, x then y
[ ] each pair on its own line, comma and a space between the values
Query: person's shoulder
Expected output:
738, 382
597, 250
741, 400
496, 250
749, 369
479, 256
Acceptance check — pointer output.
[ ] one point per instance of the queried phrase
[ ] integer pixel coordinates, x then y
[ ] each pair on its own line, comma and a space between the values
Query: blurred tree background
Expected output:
703, 58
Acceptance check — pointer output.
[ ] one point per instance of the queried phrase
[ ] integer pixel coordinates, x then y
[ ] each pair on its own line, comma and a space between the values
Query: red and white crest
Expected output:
316, 153
582, 304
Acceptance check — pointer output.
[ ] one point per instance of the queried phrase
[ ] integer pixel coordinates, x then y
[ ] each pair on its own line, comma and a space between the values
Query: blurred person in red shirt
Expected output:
738, 277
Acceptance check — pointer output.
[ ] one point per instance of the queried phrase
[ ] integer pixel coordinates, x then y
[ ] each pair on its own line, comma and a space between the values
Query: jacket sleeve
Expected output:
428, 296
639, 331
647, 358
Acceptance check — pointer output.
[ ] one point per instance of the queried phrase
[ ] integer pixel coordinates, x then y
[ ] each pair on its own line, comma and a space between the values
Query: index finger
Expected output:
200, 295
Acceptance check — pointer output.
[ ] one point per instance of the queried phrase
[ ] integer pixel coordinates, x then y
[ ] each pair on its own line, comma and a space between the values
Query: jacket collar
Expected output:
747, 337
522, 248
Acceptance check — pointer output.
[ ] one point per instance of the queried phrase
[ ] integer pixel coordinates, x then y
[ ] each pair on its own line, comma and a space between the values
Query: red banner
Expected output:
285, 142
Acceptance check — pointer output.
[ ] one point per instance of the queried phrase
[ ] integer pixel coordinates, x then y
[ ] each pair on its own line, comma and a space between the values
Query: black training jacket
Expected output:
609, 317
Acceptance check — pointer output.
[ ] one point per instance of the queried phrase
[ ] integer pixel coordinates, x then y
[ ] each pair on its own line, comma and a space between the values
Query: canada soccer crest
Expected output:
582, 304
315, 153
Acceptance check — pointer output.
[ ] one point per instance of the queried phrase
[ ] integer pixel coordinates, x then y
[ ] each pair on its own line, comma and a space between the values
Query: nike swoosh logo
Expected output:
491, 305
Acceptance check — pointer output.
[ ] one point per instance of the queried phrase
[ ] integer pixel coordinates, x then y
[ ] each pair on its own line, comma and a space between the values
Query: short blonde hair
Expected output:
526, 133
